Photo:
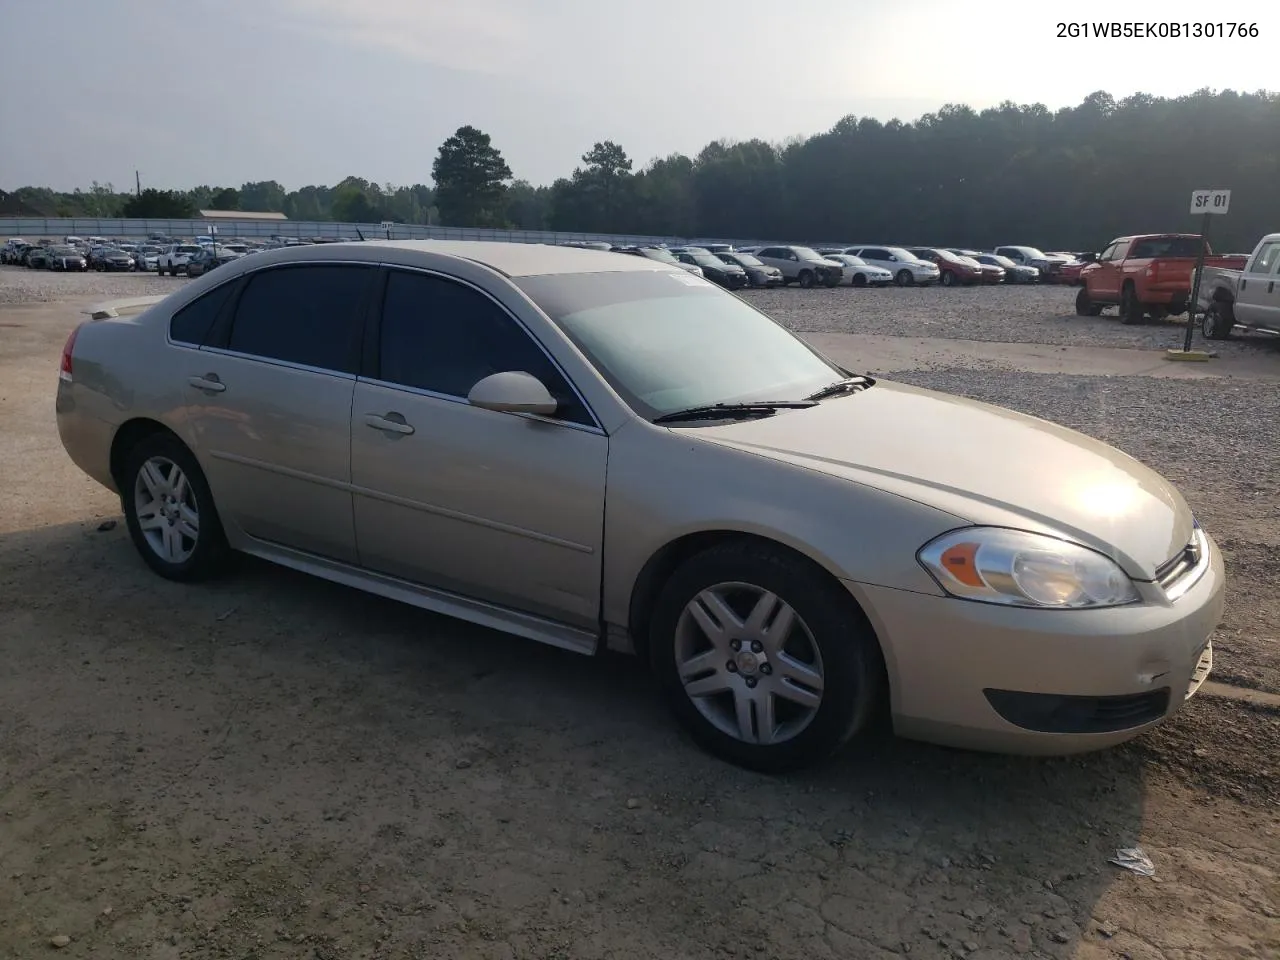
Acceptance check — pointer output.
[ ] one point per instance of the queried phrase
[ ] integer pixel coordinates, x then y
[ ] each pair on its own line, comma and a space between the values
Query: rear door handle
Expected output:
391, 423
209, 382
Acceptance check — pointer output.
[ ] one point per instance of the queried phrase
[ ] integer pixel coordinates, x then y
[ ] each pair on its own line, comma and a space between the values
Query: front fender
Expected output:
664, 485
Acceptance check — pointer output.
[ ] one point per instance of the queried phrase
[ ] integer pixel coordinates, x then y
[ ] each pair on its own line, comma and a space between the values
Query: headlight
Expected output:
1021, 569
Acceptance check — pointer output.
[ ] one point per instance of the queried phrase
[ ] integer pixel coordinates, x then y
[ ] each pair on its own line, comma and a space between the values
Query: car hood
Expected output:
982, 464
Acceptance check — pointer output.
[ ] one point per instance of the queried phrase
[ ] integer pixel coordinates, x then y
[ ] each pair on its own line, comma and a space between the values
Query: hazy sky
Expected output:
310, 91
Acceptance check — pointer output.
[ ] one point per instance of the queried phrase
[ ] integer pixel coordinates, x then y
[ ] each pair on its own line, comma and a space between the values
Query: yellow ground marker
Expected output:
1192, 356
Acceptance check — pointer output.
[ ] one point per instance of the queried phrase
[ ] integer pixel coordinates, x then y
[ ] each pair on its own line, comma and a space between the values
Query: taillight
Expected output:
1151, 270
64, 371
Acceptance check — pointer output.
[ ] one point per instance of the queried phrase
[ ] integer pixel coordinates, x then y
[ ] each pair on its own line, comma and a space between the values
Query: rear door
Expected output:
269, 403
1257, 297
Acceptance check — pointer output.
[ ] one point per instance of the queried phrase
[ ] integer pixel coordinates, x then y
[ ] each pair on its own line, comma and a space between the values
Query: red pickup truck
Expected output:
1146, 275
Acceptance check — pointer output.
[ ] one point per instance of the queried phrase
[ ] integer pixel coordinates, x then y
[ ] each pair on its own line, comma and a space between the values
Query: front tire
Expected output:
905, 278
859, 279
763, 659
1086, 307
806, 279
1218, 321
169, 510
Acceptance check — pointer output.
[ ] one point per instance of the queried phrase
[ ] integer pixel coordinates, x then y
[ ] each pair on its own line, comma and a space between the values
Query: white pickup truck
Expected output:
174, 258
1247, 298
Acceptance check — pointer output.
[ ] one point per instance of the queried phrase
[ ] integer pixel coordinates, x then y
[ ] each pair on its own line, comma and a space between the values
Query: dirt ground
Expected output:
271, 766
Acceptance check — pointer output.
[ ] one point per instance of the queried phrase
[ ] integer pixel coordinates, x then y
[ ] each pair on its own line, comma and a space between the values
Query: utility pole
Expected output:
137, 183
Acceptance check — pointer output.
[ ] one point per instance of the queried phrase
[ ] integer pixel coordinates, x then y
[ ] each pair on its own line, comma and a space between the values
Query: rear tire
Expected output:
808, 688
905, 278
1131, 312
170, 512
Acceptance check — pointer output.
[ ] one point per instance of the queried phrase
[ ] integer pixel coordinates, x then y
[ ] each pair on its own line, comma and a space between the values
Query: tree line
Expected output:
1066, 179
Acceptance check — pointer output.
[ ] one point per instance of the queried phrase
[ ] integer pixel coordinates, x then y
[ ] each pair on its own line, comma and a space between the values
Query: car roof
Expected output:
511, 259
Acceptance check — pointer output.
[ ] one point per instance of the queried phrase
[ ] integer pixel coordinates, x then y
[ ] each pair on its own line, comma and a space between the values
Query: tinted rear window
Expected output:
310, 315
1165, 247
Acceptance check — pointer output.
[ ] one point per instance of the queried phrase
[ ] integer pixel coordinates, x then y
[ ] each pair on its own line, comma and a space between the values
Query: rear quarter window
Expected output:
193, 322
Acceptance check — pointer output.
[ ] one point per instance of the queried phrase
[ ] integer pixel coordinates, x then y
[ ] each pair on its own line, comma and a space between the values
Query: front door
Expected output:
1258, 296
1104, 282
269, 401
495, 506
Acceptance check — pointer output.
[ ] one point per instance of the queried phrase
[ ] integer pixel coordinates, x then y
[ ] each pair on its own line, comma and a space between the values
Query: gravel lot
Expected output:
270, 766
1018, 314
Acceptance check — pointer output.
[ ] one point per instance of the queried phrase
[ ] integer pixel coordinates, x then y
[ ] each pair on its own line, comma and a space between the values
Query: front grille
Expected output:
1180, 573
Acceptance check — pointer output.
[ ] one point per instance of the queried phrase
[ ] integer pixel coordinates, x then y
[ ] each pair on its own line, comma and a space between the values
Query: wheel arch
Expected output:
129, 435
667, 558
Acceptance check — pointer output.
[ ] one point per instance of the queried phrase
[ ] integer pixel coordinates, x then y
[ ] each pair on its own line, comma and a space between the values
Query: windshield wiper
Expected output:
847, 385
758, 408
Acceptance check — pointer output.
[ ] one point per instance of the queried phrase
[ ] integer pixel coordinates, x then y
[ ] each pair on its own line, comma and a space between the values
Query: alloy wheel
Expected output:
168, 514
748, 663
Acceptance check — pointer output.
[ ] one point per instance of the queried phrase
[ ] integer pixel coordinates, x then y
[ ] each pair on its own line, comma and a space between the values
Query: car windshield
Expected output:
807, 253
741, 259
667, 341
1030, 252
900, 253
997, 260
851, 260
189, 249
63, 251
706, 260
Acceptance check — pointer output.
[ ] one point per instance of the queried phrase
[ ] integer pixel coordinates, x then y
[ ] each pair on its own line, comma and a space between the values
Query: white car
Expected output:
859, 273
175, 257
906, 269
148, 258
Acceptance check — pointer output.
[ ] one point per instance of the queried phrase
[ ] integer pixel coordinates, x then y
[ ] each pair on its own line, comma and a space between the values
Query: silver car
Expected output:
607, 452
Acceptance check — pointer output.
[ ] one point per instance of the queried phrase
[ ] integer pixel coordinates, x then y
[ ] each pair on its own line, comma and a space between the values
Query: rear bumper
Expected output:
1011, 680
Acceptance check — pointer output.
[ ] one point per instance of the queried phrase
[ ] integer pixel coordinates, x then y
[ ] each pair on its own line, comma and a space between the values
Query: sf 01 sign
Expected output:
1210, 201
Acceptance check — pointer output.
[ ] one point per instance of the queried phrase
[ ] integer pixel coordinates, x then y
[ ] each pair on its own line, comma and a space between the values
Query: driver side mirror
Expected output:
513, 391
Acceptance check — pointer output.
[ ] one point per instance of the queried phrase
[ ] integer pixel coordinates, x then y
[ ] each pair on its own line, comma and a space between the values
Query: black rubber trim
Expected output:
1057, 713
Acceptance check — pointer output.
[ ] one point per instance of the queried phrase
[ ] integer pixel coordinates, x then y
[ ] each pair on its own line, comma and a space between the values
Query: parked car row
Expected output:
859, 265
158, 253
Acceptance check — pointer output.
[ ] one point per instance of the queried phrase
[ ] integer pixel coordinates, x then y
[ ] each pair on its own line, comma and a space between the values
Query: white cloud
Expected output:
482, 36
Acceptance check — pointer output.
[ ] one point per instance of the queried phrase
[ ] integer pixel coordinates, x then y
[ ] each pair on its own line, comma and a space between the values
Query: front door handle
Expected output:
391, 423
208, 382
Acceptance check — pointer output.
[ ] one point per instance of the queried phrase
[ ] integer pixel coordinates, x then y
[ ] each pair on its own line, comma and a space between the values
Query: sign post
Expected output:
387, 225
1207, 203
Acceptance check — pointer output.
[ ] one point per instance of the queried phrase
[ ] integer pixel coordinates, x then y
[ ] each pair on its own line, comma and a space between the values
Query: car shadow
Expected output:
376, 730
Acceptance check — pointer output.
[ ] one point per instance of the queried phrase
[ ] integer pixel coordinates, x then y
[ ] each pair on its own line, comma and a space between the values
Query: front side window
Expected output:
310, 315
445, 337
1267, 258
666, 342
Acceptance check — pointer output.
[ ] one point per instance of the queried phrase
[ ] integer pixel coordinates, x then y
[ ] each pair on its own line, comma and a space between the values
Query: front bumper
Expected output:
1012, 680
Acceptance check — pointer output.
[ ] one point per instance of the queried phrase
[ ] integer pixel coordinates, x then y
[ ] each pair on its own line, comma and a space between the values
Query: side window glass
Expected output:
309, 315
1121, 250
193, 322
446, 337
1266, 259
1107, 253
